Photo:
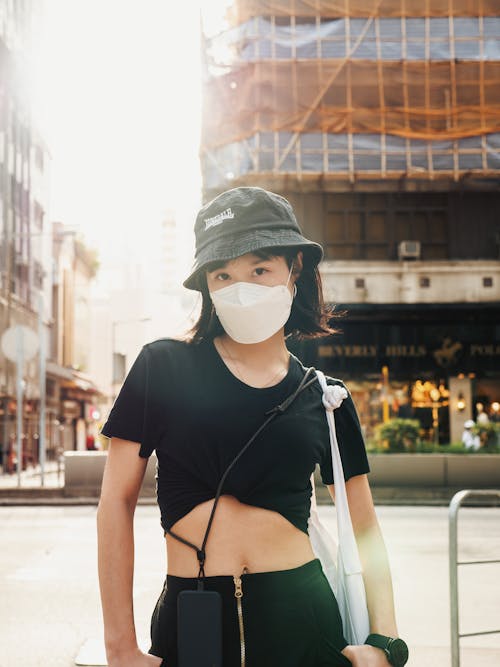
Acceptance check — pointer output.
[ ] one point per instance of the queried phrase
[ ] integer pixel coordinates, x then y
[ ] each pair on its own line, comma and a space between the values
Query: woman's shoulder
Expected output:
330, 379
335, 381
167, 343
168, 350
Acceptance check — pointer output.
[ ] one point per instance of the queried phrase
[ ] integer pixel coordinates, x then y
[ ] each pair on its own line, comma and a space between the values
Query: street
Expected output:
51, 610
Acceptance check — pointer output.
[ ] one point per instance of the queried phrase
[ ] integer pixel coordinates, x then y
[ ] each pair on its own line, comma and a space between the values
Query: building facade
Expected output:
72, 394
24, 244
380, 122
45, 272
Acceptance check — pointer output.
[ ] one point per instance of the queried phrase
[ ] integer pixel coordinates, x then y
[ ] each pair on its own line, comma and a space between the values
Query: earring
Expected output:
294, 289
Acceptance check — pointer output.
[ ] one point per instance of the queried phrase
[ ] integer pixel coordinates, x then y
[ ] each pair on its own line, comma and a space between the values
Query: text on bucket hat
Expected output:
242, 220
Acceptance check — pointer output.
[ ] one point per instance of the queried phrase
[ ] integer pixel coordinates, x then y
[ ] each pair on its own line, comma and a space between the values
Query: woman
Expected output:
197, 401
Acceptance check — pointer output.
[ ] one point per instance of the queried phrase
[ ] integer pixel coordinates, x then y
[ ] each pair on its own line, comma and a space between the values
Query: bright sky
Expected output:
116, 90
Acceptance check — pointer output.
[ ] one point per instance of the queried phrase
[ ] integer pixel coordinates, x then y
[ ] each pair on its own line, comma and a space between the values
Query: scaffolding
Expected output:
242, 10
320, 90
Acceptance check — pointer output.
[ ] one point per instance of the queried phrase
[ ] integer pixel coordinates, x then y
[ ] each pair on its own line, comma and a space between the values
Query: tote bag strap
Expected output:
333, 395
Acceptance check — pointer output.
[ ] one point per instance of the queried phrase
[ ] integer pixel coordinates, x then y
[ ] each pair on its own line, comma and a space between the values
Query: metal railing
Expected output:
455, 504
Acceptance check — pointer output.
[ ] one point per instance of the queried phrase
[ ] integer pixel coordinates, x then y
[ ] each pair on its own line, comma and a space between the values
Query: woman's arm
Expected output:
123, 475
373, 555
375, 563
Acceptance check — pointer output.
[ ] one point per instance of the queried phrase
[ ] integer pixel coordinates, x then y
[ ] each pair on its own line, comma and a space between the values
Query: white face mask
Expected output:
251, 313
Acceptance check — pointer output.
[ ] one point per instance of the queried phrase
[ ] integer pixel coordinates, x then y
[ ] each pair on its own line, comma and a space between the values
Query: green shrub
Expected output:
488, 435
426, 447
398, 435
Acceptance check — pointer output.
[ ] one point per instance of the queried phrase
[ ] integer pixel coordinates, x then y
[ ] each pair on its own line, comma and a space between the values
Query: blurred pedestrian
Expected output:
470, 439
90, 442
482, 416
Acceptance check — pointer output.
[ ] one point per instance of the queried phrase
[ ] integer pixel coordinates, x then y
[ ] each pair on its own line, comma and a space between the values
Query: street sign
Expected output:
23, 335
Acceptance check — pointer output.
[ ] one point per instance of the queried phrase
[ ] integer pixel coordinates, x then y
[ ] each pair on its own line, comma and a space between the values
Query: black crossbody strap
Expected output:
279, 409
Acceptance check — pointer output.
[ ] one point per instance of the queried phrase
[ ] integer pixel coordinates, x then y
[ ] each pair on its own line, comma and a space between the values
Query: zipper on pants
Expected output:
238, 594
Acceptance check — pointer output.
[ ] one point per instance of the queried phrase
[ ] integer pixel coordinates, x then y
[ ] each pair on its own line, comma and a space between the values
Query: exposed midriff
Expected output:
240, 536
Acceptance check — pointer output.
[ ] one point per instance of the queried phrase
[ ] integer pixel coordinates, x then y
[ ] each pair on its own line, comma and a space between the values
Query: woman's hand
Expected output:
364, 655
135, 659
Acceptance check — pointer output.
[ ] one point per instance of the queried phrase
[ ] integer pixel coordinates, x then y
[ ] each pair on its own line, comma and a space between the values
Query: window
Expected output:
39, 157
370, 226
38, 215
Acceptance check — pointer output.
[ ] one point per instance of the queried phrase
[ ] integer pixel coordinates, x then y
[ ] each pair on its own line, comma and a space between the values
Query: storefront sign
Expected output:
477, 350
445, 353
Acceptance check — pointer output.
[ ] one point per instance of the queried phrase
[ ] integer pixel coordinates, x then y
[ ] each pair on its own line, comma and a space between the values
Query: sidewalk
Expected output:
31, 491
31, 477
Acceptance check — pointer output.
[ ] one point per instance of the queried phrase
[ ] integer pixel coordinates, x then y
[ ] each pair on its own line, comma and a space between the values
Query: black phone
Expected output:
199, 628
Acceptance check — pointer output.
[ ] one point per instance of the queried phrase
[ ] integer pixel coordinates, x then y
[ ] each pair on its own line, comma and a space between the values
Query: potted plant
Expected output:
489, 435
399, 435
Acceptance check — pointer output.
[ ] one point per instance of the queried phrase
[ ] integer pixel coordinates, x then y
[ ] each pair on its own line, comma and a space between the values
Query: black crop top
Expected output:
181, 400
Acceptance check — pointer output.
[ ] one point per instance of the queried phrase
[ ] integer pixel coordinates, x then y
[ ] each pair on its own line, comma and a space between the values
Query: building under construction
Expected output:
380, 121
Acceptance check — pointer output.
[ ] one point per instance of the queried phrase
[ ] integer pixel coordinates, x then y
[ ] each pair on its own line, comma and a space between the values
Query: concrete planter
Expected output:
391, 474
425, 479
435, 470
83, 473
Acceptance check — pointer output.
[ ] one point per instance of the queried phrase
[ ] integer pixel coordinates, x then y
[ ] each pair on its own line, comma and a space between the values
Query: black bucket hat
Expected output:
242, 220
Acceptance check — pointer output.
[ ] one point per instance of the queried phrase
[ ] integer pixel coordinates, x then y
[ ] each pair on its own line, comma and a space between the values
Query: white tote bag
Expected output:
340, 560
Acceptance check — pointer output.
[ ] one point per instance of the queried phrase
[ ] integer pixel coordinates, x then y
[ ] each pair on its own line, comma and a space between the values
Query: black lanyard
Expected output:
279, 409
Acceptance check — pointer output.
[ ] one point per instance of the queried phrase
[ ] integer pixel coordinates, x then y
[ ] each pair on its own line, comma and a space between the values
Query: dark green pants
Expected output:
290, 618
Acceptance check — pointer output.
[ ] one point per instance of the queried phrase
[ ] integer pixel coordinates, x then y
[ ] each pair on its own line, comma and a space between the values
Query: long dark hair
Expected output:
309, 316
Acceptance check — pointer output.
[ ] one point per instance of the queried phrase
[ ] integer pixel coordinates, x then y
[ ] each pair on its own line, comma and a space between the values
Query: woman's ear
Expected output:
298, 264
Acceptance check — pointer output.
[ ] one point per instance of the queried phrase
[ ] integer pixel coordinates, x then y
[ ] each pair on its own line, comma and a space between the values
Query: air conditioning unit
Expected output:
409, 250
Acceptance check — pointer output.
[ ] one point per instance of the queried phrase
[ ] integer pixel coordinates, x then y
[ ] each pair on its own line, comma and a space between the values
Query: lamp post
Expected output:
385, 394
